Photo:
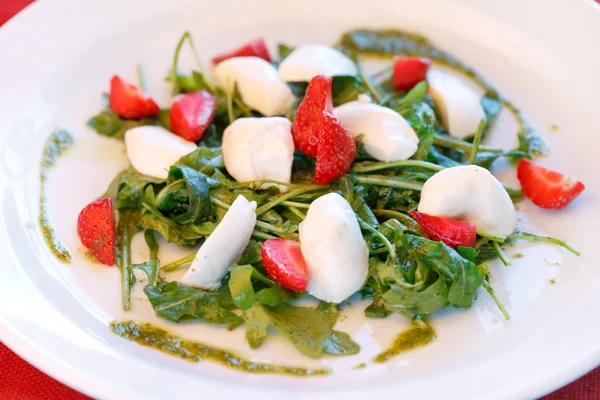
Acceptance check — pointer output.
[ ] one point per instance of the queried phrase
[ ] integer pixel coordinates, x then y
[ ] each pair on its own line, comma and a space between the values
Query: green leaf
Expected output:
274, 296
177, 302
150, 268
309, 330
355, 196
196, 205
346, 88
131, 188
284, 50
252, 253
240, 286
203, 159
377, 309
411, 302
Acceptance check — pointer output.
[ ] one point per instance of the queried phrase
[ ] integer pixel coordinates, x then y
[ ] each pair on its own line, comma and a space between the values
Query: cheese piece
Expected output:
336, 254
258, 84
152, 150
223, 247
470, 193
308, 61
386, 134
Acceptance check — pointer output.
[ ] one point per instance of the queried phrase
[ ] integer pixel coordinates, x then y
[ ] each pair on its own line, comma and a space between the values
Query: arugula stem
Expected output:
543, 239
142, 78
238, 102
188, 36
295, 211
151, 243
389, 181
220, 203
501, 254
372, 90
477, 141
381, 250
172, 266
381, 236
123, 255
229, 97
294, 204
403, 218
482, 241
289, 195
492, 293
269, 227
262, 235
258, 184
382, 72
454, 143
376, 166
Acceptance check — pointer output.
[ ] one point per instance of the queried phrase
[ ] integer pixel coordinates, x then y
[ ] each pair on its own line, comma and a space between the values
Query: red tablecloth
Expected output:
21, 381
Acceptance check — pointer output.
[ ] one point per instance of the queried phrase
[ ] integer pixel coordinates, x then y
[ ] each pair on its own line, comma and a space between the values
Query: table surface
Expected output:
19, 380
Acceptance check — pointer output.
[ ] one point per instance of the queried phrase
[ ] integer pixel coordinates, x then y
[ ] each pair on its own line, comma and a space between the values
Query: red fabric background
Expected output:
21, 381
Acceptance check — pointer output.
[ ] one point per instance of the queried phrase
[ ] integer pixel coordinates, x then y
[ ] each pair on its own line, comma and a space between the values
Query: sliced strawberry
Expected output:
96, 229
285, 264
547, 188
129, 101
191, 113
450, 231
308, 121
256, 48
408, 71
336, 150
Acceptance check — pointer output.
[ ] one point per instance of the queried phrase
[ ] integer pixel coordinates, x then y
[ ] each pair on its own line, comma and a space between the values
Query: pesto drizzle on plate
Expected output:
418, 335
157, 338
59, 141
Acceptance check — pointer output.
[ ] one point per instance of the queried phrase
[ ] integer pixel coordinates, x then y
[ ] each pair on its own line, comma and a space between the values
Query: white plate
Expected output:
57, 58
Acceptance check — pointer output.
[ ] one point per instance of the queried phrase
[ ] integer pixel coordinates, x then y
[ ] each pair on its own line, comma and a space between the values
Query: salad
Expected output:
303, 176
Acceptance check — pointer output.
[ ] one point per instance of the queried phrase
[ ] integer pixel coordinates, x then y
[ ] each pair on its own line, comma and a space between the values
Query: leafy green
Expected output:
186, 196
309, 330
127, 227
150, 268
240, 286
107, 123
203, 159
274, 296
131, 187
345, 88
355, 196
177, 302
284, 51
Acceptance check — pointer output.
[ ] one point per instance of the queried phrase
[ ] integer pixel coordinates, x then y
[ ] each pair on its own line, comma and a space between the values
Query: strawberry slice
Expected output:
547, 188
256, 48
408, 71
450, 231
191, 113
308, 121
336, 150
285, 264
96, 229
129, 101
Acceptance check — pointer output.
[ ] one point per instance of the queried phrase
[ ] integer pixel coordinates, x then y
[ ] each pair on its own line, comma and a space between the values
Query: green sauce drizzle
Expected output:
59, 141
157, 338
416, 336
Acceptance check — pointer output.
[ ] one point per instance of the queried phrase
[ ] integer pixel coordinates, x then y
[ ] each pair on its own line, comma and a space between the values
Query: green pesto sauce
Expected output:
390, 42
59, 141
157, 338
418, 335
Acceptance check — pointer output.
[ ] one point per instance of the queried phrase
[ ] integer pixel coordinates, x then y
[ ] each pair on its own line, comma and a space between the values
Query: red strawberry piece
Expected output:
308, 121
96, 229
285, 264
256, 48
450, 231
408, 71
336, 150
547, 188
129, 101
191, 113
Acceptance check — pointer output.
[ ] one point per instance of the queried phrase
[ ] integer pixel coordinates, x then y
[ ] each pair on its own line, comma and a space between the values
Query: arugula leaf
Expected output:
284, 50
127, 227
150, 268
177, 302
309, 330
195, 198
411, 302
274, 296
252, 253
240, 286
377, 309
203, 159
107, 123
346, 88
354, 195
131, 186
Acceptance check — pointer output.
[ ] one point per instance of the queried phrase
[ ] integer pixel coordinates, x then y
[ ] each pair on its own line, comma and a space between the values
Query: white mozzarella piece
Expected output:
152, 150
308, 61
259, 148
387, 135
470, 193
459, 105
223, 247
258, 84
336, 254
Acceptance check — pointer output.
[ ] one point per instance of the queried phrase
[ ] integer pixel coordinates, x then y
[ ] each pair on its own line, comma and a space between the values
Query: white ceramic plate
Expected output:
58, 56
